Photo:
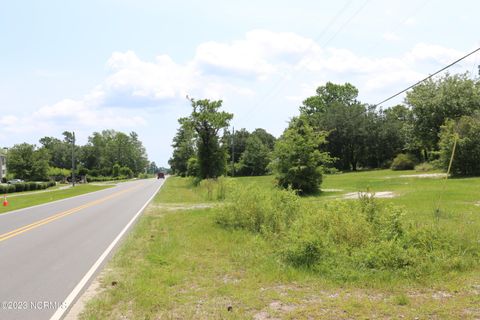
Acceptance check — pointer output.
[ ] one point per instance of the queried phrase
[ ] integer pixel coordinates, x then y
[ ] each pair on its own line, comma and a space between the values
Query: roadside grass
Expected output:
37, 197
179, 264
458, 200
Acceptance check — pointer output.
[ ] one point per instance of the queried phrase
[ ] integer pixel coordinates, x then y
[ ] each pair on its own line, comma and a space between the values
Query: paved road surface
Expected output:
48, 252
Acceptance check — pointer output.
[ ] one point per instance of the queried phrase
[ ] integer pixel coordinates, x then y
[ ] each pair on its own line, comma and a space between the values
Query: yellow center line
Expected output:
59, 215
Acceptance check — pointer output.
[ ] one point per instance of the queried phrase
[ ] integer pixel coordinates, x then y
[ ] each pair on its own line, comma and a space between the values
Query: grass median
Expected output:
179, 264
26, 199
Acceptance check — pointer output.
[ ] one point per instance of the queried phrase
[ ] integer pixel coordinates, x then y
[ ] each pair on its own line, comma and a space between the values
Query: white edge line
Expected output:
61, 200
78, 288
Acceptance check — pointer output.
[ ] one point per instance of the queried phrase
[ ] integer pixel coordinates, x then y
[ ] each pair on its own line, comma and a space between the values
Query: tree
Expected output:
466, 131
336, 110
60, 152
255, 159
27, 162
239, 138
110, 147
152, 168
207, 121
435, 101
183, 148
266, 138
297, 159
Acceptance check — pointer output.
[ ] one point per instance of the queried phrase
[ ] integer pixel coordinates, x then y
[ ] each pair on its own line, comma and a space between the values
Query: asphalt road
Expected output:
49, 252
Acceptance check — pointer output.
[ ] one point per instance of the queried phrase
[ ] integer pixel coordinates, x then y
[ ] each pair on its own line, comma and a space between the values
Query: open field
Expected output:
179, 264
28, 199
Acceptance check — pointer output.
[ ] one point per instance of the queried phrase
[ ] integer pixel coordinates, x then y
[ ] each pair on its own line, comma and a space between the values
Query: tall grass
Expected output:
347, 240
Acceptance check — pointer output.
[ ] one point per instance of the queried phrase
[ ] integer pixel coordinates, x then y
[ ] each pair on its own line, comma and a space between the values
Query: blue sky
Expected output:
128, 64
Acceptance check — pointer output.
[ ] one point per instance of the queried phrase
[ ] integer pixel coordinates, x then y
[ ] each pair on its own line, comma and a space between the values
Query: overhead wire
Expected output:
428, 77
277, 85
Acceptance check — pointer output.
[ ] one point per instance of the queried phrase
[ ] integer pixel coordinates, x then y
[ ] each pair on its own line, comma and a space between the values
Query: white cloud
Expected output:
410, 22
244, 72
390, 37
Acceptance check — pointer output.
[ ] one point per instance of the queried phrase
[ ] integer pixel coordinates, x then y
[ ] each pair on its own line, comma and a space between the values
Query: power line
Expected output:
275, 88
430, 76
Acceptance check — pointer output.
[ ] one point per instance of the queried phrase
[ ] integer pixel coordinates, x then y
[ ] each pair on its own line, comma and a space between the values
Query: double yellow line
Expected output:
60, 215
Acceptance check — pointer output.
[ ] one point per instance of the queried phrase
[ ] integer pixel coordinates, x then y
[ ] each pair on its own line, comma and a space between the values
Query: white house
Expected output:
3, 164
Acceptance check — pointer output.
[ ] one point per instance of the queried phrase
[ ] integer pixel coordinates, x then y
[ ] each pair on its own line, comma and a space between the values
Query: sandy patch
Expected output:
380, 194
424, 175
92, 290
332, 190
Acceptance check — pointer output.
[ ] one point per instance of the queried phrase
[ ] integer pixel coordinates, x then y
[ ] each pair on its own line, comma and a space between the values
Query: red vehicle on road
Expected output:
160, 175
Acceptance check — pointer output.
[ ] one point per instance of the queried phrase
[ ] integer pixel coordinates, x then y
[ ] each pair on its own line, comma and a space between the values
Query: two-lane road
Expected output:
48, 253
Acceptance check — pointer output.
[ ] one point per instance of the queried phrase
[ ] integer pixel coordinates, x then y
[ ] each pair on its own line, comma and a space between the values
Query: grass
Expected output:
457, 199
34, 198
178, 264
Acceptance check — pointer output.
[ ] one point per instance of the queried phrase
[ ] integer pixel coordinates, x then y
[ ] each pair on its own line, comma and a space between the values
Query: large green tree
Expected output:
207, 120
336, 110
27, 162
435, 101
183, 148
465, 132
255, 159
109, 147
297, 159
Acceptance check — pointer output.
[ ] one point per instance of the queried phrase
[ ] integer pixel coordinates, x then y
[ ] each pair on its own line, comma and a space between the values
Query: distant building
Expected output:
3, 164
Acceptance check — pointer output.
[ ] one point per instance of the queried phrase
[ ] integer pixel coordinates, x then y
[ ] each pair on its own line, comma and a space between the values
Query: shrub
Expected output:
348, 240
19, 187
404, 162
424, 167
259, 210
126, 171
116, 170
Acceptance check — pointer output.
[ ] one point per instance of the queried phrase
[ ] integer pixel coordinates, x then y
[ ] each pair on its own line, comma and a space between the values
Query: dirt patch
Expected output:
380, 194
93, 289
276, 307
332, 190
424, 175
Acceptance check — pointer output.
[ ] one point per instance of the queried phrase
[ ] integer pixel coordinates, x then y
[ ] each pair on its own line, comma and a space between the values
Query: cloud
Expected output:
410, 22
390, 37
244, 72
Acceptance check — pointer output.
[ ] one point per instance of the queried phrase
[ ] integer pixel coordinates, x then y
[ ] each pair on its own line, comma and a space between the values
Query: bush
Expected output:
348, 240
259, 210
116, 170
105, 178
424, 167
404, 162
19, 187
126, 172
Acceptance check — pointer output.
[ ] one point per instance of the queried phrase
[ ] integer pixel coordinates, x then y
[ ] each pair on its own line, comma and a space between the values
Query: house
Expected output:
3, 164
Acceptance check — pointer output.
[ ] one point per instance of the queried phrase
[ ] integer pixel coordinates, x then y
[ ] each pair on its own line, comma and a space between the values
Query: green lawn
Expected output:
178, 264
19, 201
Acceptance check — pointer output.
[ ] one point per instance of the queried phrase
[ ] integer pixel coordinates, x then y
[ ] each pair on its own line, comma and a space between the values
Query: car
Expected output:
160, 175
14, 181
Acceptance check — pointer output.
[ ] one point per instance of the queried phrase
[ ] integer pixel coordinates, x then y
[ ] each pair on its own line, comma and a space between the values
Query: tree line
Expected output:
335, 131
108, 153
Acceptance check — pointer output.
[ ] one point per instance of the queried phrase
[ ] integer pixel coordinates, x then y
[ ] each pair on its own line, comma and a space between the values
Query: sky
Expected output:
128, 65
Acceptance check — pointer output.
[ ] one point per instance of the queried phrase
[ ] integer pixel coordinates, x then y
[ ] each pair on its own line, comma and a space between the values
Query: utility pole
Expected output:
233, 151
73, 159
